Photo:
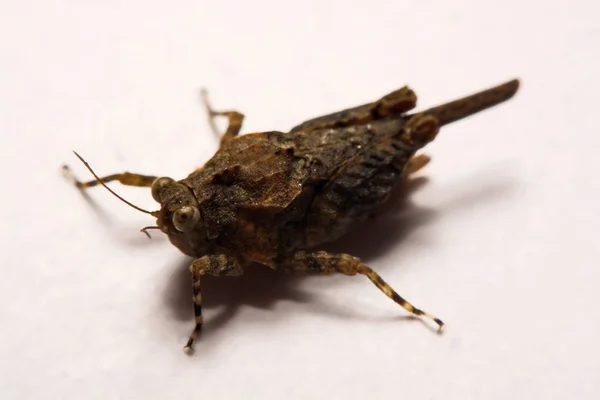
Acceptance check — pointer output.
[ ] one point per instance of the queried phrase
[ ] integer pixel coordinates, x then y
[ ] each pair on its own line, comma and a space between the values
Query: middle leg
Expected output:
327, 263
415, 164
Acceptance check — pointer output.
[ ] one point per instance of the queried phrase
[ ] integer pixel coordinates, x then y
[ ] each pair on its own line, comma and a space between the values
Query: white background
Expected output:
501, 242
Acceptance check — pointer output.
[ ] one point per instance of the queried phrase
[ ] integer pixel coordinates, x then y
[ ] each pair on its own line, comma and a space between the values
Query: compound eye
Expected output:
186, 218
158, 185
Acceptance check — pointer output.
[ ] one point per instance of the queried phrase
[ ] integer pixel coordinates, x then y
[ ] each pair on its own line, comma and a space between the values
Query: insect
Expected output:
273, 197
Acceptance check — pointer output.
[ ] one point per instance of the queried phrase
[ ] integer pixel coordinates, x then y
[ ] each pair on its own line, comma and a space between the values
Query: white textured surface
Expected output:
501, 243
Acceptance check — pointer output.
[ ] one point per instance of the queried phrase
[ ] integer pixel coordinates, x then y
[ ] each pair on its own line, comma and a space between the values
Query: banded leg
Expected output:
126, 178
216, 265
392, 104
327, 263
235, 120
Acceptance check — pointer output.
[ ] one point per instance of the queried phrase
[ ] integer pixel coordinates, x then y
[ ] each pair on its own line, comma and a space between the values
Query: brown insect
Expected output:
272, 197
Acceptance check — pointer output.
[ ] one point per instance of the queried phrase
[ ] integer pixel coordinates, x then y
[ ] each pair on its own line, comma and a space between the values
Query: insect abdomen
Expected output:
356, 190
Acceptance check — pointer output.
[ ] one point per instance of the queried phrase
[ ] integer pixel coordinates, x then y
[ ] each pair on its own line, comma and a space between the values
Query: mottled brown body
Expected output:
271, 197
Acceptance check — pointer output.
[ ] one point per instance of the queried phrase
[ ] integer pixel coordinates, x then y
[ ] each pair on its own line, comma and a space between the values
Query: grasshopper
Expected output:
272, 198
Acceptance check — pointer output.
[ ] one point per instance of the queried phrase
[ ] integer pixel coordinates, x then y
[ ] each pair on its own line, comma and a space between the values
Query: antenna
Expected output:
153, 213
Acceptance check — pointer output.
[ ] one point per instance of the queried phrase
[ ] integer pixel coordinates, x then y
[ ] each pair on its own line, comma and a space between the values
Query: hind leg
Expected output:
393, 104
